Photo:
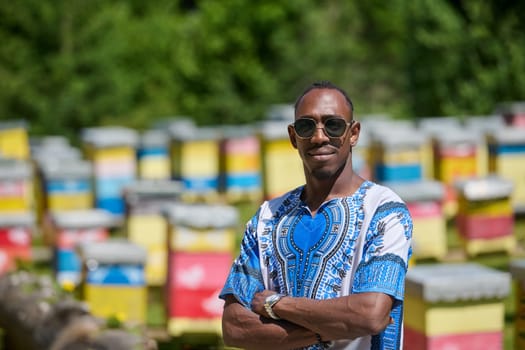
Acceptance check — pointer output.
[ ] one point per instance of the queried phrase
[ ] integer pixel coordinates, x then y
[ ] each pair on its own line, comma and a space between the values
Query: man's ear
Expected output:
355, 131
291, 135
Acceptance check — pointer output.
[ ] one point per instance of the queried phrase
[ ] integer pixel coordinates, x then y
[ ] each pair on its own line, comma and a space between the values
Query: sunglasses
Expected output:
333, 127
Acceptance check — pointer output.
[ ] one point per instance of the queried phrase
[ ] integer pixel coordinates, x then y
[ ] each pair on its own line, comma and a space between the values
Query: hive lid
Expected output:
510, 107
56, 155
87, 218
113, 251
110, 136
9, 219
67, 169
202, 216
138, 190
197, 134
397, 136
14, 169
284, 112
274, 130
517, 269
484, 123
457, 136
424, 190
507, 135
13, 124
237, 131
154, 138
437, 125
449, 282
484, 188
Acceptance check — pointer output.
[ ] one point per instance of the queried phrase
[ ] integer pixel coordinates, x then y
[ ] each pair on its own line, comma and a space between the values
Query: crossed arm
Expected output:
345, 317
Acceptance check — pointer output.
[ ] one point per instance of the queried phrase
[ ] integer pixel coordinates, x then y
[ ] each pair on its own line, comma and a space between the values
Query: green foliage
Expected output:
65, 65
465, 56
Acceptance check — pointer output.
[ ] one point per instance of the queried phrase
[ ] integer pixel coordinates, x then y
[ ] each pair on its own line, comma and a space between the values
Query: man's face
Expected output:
323, 156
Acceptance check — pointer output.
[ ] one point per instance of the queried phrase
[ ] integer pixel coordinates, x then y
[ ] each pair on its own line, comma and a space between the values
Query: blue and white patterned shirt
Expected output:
354, 244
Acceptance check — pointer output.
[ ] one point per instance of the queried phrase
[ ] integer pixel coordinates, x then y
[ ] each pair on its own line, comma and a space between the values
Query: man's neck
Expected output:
317, 192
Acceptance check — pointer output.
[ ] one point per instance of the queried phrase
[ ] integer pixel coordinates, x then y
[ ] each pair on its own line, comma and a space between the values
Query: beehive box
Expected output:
282, 166
507, 159
399, 154
16, 186
201, 244
153, 155
456, 157
112, 152
424, 200
455, 306
240, 164
14, 141
113, 279
485, 218
67, 185
517, 269
195, 160
66, 229
145, 224
16, 232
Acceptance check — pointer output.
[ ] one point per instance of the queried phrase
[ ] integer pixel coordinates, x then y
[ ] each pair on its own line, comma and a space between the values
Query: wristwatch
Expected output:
269, 302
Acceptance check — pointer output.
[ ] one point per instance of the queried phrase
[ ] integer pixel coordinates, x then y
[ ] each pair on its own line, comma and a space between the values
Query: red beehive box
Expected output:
195, 280
15, 239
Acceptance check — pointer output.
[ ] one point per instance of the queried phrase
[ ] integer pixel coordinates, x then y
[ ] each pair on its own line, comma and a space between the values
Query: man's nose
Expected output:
319, 135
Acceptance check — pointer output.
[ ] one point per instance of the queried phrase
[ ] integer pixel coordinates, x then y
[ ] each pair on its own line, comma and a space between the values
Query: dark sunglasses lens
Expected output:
335, 127
304, 127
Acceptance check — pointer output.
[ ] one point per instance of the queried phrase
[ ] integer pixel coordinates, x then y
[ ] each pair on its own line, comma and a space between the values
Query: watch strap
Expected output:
270, 302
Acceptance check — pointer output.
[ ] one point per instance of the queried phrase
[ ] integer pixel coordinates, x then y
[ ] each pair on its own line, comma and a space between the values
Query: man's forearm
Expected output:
245, 329
339, 318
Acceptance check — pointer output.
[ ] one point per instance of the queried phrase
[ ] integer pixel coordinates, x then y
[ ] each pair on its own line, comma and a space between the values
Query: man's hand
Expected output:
258, 302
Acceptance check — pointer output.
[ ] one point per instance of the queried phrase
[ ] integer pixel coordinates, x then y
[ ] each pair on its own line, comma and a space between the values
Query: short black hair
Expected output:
324, 84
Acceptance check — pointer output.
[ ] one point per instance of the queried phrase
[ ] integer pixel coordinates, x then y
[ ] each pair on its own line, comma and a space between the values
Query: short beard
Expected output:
322, 174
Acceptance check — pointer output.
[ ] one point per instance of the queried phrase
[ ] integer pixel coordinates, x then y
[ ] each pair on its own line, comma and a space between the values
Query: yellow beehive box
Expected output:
517, 269
146, 226
14, 141
507, 159
153, 155
113, 280
424, 199
455, 304
202, 227
282, 167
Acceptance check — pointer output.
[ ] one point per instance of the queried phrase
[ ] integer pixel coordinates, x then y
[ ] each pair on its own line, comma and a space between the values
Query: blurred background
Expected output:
137, 138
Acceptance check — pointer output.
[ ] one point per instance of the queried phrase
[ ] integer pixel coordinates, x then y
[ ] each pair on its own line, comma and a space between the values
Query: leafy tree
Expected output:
465, 56
68, 64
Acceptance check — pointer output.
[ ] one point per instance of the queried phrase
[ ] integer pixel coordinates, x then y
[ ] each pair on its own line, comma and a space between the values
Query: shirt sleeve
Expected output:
245, 277
386, 252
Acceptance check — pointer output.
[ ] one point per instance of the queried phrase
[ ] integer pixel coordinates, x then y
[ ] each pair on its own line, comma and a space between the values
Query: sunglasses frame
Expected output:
347, 125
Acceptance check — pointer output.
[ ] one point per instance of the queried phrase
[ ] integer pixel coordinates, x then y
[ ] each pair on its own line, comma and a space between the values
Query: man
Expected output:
322, 266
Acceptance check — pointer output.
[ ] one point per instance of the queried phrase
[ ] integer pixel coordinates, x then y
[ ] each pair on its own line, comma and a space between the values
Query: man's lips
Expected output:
321, 153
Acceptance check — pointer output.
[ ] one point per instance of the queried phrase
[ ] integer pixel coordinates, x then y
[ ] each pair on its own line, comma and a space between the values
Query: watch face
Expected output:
272, 299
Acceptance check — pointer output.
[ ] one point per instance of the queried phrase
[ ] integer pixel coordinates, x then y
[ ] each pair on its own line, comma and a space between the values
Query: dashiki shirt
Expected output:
354, 244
